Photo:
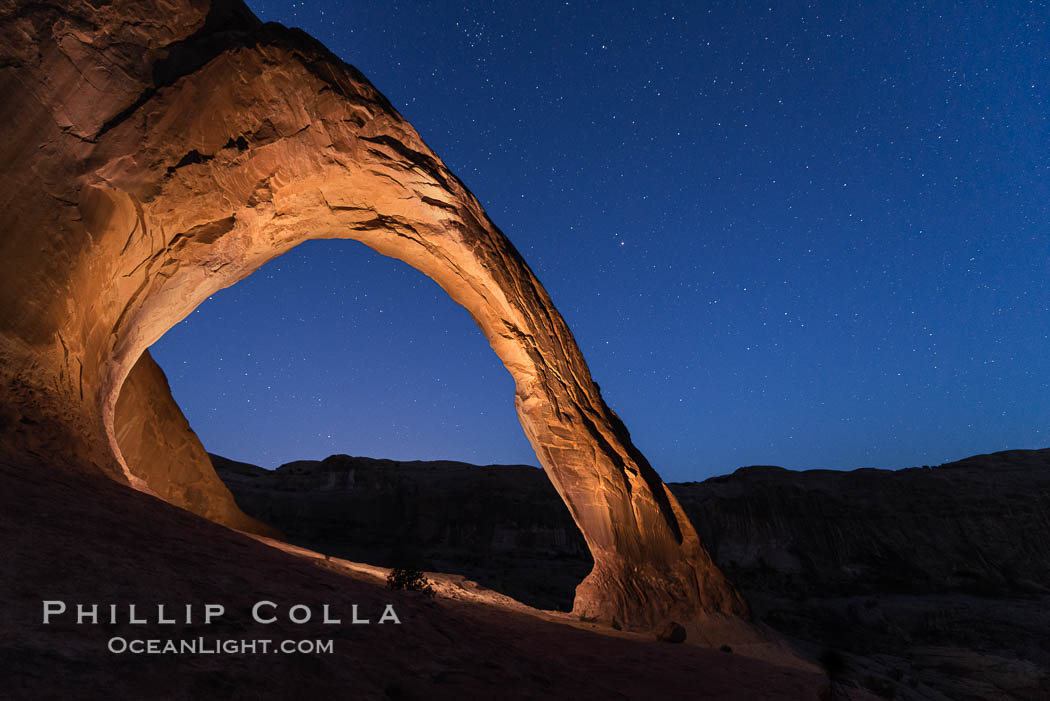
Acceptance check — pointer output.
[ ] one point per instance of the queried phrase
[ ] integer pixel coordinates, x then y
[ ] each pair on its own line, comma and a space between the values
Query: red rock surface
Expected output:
161, 449
155, 153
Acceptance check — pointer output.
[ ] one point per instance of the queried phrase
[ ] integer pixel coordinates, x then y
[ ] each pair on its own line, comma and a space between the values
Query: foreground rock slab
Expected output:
70, 537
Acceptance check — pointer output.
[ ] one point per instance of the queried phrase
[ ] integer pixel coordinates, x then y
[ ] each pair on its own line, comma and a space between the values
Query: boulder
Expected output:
671, 632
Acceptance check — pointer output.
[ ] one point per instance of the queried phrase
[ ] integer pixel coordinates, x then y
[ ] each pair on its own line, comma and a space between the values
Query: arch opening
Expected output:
377, 333
333, 348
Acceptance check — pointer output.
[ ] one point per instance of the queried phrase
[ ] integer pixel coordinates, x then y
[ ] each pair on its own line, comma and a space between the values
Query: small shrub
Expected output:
834, 665
616, 624
409, 579
726, 648
833, 662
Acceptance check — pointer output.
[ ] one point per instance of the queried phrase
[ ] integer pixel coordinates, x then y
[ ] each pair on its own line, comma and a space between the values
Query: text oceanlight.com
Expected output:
228, 646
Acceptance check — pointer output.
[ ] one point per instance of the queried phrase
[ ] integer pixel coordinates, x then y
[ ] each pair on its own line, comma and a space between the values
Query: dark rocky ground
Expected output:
928, 583
80, 538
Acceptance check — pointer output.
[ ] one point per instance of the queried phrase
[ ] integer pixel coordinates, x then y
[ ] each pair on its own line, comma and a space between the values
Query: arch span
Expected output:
188, 156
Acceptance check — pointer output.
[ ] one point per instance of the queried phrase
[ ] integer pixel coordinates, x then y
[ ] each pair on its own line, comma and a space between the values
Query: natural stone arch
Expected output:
211, 147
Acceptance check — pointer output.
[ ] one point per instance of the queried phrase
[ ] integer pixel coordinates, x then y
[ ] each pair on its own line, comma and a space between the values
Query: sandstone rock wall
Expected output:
161, 449
158, 152
933, 582
978, 526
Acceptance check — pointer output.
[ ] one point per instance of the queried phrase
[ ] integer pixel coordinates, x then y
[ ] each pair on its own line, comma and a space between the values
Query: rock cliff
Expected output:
503, 526
977, 526
933, 582
929, 583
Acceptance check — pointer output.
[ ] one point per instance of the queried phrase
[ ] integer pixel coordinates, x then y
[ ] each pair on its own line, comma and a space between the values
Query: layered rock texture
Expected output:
929, 583
158, 152
933, 582
161, 449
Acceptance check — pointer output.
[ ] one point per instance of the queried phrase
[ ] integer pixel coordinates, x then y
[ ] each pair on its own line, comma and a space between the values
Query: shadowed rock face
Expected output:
502, 526
932, 583
978, 526
148, 165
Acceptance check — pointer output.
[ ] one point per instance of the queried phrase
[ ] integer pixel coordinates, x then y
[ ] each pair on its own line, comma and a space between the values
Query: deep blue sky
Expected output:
813, 235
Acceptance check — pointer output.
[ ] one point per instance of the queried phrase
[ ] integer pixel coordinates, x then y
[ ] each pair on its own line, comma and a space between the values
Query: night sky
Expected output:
806, 235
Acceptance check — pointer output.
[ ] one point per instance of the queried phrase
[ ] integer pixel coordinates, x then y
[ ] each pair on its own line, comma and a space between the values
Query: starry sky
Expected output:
803, 234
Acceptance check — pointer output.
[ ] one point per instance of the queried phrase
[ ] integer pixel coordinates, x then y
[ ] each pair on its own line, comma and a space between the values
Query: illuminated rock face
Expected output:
161, 449
147, 166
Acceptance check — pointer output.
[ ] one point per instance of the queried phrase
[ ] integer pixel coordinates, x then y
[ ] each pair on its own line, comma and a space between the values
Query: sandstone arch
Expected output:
149, 166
